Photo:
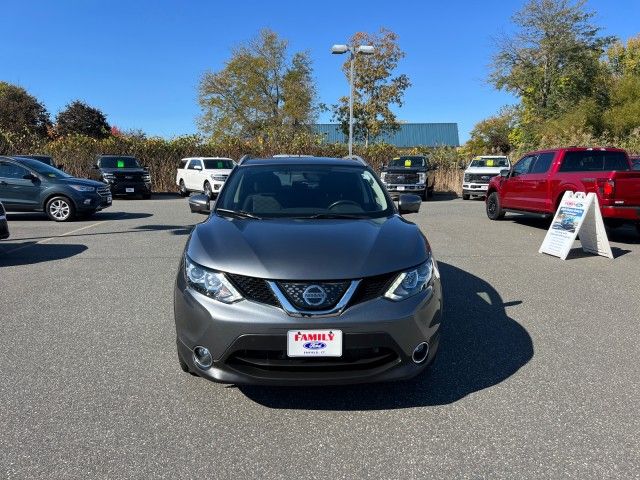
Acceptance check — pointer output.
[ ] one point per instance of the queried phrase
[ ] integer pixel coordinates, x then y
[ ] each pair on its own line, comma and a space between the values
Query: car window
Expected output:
594, 161
543, 162
523, 166
215, 164
194, 164
408, 162
11, 170
302, 191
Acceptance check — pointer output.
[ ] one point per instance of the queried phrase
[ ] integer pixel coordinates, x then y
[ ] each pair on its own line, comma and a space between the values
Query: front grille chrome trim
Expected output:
295, 312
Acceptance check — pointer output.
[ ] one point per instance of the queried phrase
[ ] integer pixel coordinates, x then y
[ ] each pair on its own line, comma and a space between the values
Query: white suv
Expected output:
203, 174
479, 172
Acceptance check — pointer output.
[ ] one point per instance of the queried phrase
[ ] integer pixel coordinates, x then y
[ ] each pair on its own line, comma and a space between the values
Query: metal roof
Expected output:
409, 134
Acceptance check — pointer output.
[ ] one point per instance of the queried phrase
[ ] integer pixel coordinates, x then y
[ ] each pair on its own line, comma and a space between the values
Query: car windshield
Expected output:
43, 169
216, 164
119, 162
408, 162
303, 191
489, 162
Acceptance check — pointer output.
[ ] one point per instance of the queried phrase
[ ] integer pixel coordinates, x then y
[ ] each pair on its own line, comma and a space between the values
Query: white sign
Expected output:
578, 216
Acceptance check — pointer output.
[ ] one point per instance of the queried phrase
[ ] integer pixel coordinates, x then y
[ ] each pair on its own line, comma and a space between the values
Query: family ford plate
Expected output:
314, 343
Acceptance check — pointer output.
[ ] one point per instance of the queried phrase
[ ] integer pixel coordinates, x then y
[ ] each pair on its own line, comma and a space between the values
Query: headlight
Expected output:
219, 178
422, 177
411, 282
211, 283
83, 188
383, 176
146, 177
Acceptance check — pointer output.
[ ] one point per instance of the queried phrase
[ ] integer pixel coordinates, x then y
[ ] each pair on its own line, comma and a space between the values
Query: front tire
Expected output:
466, 196
182, 189
60, 209
494, 208
430, 192
208, 190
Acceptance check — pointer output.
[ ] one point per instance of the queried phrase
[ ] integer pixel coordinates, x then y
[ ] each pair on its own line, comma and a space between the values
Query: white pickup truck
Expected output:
203, 174
479, 172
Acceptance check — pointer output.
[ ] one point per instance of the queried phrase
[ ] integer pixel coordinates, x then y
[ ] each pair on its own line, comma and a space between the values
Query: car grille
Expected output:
401, 178
314, 295
477, 178
255, 289
104, 191
129, 177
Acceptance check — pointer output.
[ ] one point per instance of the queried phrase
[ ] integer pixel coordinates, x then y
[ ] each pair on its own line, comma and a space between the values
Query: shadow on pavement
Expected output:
174, 229
98, 216
28, 253
480, 347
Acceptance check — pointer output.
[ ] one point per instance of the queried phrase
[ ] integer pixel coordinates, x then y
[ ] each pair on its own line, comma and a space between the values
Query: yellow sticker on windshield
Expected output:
407, 163
489, 162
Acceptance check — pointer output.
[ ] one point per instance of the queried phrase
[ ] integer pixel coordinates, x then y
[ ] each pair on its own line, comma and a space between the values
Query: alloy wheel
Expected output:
59, 209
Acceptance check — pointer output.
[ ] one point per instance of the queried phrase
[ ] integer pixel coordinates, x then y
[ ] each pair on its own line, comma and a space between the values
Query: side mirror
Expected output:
96, 167
504, 173
197, 167
409, 203
200, 204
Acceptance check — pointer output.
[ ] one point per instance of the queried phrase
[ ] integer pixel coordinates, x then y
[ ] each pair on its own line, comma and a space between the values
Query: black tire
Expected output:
466, 196
60, 209
424, 195
638, 227
430, 192
208, 191
182, 190
494, 209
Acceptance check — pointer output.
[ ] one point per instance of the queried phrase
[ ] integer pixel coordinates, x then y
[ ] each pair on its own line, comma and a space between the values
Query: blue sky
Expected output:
140, 61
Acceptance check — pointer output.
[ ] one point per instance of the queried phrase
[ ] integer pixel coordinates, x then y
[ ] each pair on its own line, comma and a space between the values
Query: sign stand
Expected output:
578, 216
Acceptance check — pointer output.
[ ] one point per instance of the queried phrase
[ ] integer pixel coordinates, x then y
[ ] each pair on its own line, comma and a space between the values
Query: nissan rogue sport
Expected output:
296, 278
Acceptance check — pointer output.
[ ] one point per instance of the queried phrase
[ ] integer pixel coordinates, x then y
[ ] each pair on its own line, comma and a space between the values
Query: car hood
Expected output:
287, 249
485, 170
123, 170
81, 181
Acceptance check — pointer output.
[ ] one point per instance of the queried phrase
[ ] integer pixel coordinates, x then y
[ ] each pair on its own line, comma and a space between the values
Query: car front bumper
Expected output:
397, 190
475, 188
130, 188
91, 202
248, 340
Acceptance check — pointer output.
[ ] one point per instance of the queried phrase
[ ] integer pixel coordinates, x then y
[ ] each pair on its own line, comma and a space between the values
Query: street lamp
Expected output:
339, 50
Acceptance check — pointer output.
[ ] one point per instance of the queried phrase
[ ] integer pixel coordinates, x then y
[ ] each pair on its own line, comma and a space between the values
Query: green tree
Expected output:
21, 112
260, 88
552, 61
80, 118
376, 89
494, 134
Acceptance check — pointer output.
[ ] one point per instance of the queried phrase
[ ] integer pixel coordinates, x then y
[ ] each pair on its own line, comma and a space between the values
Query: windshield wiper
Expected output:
238, 213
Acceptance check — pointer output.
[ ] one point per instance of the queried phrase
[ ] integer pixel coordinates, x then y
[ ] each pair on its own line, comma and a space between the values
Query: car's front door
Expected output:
19, 188
513, 188
535, 184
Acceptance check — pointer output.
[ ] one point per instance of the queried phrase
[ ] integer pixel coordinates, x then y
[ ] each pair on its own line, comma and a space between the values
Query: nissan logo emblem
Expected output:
314, 295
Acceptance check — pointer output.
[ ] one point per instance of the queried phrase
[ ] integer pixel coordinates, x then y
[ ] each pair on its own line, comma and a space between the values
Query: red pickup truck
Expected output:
537, 182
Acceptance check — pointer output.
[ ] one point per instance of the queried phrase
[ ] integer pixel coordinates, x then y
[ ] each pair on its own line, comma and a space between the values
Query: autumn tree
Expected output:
377, 88
21, 112
261, 87
80, 118
494, 134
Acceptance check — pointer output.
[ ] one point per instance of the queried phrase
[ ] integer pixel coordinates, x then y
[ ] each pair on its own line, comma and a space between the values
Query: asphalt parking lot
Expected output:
538, 374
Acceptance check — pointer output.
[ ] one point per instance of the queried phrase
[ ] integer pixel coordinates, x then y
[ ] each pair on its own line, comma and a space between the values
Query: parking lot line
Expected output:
86, 227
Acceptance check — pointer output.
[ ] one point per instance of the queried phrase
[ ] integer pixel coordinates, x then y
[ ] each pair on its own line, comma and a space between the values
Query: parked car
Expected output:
305, 273
48, 159
30, 185
4, 226
124, 175
479, 172
412, 173
203, 174
635, 160
538, 181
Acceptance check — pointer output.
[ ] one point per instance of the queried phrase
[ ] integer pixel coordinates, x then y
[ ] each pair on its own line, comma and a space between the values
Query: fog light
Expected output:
202, 357
87, 201
420, 353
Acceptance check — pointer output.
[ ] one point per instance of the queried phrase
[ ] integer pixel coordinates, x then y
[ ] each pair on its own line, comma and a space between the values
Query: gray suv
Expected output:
305, 273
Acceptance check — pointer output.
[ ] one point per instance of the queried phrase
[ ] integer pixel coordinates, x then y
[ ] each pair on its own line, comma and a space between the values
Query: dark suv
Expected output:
296, 278
409, 174
30, 185
124, 175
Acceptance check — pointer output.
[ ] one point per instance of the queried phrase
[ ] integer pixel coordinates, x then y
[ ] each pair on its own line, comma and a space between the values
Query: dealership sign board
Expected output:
578, 216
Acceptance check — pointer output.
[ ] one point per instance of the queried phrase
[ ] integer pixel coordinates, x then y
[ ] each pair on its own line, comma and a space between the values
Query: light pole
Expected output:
339, 50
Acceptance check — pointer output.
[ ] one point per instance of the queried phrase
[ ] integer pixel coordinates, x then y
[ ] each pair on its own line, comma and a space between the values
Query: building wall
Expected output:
409, 135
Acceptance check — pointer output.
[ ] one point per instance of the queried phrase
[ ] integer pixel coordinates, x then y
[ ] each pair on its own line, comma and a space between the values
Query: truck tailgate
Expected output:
627, 187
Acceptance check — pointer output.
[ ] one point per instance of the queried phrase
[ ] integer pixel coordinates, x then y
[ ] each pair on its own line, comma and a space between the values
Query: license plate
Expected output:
314, 343
129, 190
400, 188
109, 199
